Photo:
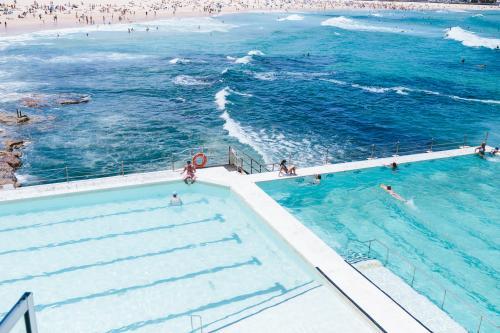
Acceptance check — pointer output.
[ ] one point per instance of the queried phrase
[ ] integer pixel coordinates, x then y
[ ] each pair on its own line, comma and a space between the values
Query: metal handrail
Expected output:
220, 154
24, 307
472, 309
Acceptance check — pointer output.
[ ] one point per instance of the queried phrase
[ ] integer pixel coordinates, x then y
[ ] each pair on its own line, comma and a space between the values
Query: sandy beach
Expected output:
24, 16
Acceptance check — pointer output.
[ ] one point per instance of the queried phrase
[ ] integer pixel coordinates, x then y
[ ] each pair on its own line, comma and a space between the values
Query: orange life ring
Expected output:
200, 164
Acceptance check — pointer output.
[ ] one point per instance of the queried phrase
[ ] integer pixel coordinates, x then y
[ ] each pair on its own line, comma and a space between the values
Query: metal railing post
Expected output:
432, 143
486, 137
251, 165
444, 298
229, 156
397, 149
465, 140
29, 316
373, 152
172, 161
413, 277
67, 175
326, 156
123, 172
480, 323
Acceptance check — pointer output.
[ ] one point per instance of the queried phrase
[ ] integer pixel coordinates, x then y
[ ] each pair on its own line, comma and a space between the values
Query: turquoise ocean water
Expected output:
448, 230
270, 83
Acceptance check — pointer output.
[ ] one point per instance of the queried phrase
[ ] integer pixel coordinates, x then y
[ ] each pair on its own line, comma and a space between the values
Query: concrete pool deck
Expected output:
384, 312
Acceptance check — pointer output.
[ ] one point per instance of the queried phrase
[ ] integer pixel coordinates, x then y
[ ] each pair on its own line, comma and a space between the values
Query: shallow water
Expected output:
448, 228
273, 84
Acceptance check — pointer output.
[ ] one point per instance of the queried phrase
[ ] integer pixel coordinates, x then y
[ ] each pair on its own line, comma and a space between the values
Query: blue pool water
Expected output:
124, 260
274, 87
449, 229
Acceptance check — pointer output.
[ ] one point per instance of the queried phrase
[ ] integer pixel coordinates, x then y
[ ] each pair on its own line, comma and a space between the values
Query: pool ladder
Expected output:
194, 319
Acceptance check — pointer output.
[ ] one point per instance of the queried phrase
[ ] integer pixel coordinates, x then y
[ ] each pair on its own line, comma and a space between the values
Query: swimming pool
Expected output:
448, 230
124, 260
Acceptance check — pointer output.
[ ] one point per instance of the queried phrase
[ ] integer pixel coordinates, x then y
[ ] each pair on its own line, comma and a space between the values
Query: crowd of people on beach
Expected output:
50, 13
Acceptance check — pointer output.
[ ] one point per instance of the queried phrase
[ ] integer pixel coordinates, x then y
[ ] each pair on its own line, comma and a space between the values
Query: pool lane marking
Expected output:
233, 237
216, 217
287, 291
121, 291
95, 217
277, 287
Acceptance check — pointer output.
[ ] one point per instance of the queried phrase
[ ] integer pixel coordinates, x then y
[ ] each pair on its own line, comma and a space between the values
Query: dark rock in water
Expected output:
7, 175
10, 158
8, 119
73, 100
10, 145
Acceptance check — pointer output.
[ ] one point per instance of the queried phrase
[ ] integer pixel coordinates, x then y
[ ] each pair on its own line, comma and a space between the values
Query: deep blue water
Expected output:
331, 80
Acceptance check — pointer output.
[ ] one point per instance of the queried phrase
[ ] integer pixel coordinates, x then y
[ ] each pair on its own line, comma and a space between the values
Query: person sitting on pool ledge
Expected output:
175, 200
388, 189
190, 171
289, 171
481, 149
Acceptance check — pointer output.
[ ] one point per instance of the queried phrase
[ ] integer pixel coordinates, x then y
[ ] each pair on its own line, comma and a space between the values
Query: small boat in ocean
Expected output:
68, 100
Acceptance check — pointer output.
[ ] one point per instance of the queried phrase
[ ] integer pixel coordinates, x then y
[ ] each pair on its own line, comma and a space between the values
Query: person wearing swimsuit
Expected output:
189, 170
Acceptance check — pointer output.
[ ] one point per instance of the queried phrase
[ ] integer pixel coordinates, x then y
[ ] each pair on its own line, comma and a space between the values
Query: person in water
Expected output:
190, 171
481, 150
393, 166
285, 170
175, 200
494, 152
388, 189
316, 180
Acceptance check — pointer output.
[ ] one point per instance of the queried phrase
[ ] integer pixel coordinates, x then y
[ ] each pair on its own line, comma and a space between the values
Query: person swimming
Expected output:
316, 180
495, 152
393, 166
388, 189
190, 171
175, 200
289, 171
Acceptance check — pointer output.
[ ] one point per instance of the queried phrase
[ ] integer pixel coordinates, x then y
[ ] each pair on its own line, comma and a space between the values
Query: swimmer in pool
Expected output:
175, 200
495, 152
316, 180
393, 166
388, 189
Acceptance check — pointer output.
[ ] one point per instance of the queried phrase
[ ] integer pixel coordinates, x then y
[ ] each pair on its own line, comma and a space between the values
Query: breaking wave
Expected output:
293, 17
247, 58
345, 23
470, 39
186, 80
179, 61
406, 91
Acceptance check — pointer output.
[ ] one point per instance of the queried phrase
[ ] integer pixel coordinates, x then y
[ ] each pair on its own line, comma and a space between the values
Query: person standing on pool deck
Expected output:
190, 171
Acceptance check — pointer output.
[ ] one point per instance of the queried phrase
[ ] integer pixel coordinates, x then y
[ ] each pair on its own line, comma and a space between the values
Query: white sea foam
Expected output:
345, 23
293, 17
99, 56
406, 91
376, 14
255, 53
186, 80
477, 15
177, 25
243, 60
470, 39
179, 61
265, 76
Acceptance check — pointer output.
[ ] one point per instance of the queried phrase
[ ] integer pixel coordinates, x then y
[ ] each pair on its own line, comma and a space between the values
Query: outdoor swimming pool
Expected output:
448, 230
124, 260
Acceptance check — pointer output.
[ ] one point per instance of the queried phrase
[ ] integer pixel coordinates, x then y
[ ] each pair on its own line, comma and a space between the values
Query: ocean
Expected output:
276, 85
